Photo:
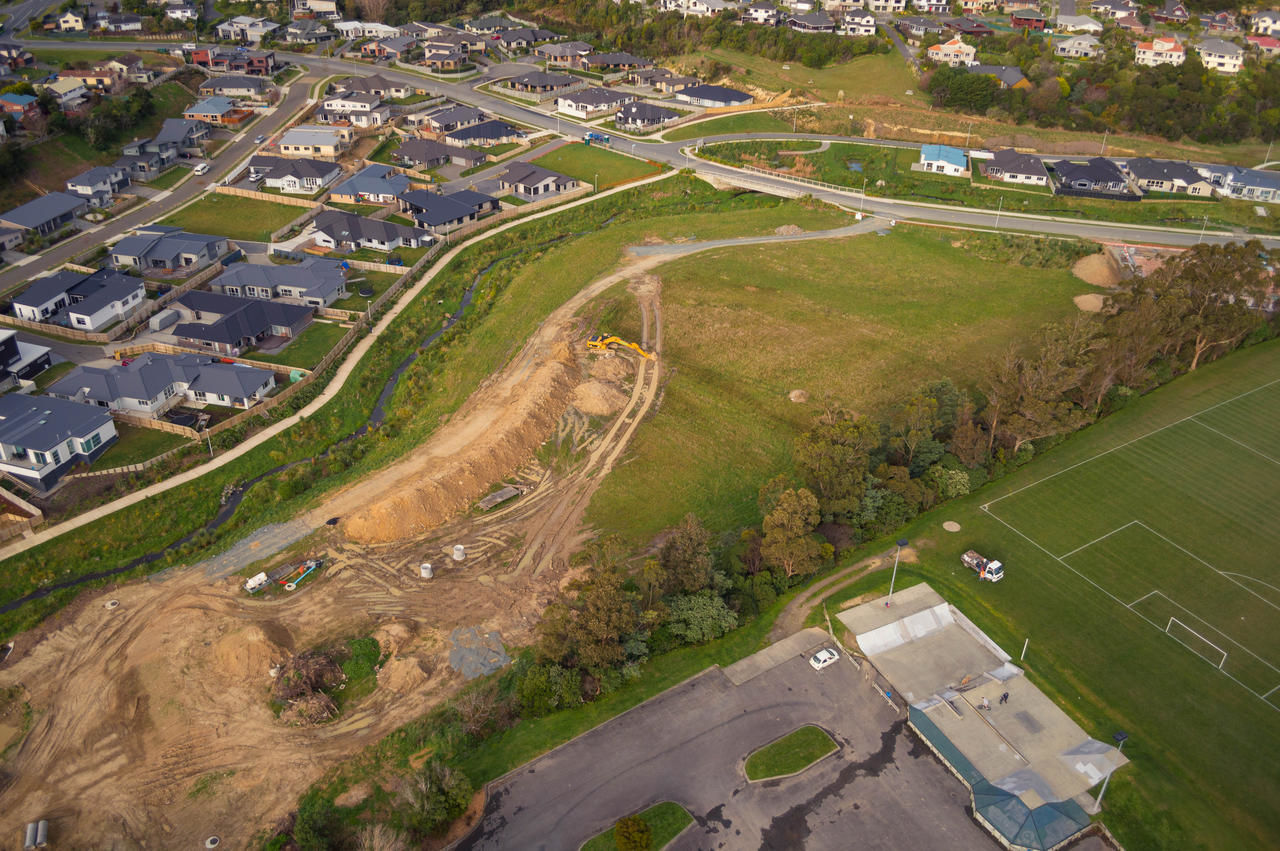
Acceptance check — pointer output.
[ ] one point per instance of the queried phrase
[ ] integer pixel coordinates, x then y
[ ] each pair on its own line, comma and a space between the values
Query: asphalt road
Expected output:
688, 745
223, 161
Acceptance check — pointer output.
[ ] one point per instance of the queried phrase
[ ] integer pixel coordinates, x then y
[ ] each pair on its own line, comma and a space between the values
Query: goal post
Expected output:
1196, 643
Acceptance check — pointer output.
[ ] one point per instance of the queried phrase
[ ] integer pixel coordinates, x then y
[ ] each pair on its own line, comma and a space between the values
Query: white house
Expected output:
366, 29
858, 24
361, 109
1010, 166
887, 7
1159, 51
1266, 23
592, 101
943, 159
85, 302
954, 53
42, 437
1078, 47
1220, 55
1079, 24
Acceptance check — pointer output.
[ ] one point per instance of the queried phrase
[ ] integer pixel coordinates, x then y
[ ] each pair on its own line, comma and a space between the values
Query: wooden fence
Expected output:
298, 222
287, 200
128, 468
170, 349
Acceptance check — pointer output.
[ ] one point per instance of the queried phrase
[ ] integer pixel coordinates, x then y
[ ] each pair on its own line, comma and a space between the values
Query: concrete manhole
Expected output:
951, 526
212, 842
290, 587
111, 604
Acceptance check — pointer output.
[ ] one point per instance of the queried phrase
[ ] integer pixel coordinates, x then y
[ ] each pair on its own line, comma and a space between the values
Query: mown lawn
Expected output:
860, 321
1204, 747
309, 348
592, 164
170, 178
376, 281
746, 122
135, 445
792, 753
882, 74
234, 217
52, 374
665, 821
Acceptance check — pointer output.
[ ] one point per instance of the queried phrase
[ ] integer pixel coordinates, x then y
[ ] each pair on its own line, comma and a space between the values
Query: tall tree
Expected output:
686, 556
913, 424
788, 542
834, 456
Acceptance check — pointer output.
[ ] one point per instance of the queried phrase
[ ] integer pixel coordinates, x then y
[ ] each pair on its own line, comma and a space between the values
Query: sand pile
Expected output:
245, 654
1090, 302
393, 636
798, 396
402, 675
1099, 269
611, 369
788, 230
598, 398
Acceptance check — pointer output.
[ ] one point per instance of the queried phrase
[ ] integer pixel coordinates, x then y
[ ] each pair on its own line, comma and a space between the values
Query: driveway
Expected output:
65, 351
689, 743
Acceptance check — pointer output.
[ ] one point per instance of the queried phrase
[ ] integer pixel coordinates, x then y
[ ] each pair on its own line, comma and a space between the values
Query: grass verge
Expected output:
791, 754
665, 820
592, 164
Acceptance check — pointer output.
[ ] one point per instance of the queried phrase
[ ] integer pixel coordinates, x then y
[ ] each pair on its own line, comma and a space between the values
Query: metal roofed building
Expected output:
41, 437
315, 282
152, 383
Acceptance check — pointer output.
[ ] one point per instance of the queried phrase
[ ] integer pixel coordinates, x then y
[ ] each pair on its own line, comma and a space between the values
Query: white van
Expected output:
203, 168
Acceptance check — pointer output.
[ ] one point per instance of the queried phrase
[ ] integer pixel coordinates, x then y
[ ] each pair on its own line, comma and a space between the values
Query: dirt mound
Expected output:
798, 396
598, 398
458, 464
314, 708
1090, 302
246, 654
788, 230
402, 675
611, 369
1099, 269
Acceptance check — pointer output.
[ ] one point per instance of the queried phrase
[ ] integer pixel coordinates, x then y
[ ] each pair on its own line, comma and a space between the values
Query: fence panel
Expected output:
287, 200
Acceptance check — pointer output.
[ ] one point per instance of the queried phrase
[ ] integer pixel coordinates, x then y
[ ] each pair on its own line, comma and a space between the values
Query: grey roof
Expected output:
278, 167
478, 200
485, 131
334, 223
101, 288
1095, 170
95, 175
240, 317
813, 19
308, 135
455, 115
644, 113
1217, 45
318, 277
1010, 75
373, 179
213, 105
234, 81
527, 34
567, 48
1014, 162
526, 174
596, 96
35, 213
1145, 168
434, 210
44, 423
423, 151
150, 374
538, 79
399, 43
163, 240
368, 98
489, 23
720, 93
44, 290
1256, 177
177, 130
374, 82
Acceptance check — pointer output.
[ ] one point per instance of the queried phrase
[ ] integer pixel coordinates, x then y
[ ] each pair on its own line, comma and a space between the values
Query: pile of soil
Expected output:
1099, 269
798, 396
611, 369
394, 635
788, 230
598, 398
402, 675
1090, 302
246, 654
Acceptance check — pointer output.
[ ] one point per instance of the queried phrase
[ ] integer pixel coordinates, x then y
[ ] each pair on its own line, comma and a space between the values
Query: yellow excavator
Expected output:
604, 342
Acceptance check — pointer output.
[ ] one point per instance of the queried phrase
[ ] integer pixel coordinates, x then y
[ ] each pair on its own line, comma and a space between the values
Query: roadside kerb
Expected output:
325, 396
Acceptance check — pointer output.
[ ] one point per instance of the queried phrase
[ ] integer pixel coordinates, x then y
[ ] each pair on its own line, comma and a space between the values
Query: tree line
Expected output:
1111, 93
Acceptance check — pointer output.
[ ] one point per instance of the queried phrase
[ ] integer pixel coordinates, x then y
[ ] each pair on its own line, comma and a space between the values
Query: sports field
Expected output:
1179, 527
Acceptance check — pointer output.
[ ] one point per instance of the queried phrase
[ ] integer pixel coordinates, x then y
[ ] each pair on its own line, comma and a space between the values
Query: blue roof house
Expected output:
943, 159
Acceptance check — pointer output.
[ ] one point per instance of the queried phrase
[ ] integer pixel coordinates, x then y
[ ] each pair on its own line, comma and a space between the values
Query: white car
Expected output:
258, 140
824, 657
203, 168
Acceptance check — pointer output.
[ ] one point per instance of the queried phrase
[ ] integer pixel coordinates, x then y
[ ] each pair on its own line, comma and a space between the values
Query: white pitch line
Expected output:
1096, 540
1227, 576
1143, 597
1268, 694
1135, 440
1251, 579
1237, 442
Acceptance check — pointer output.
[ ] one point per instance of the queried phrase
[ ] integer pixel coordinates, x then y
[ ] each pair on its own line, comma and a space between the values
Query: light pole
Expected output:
1120, 737
1103, 152
1202, 229
902, 542
966, 134
999, 208
596, 184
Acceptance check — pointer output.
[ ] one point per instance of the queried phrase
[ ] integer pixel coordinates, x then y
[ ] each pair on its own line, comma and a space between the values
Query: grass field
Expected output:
747, 122
883, 74
136, 445
1163, 510
665, 821
585, 162
310, 347
852, 320
170, 178
234, 217
792, 753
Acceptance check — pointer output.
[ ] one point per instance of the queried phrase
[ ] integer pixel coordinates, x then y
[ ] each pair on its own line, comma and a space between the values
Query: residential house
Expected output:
969, 27
762, 12
1219, 23
954, 53
593, 101
347, 232
1095, 175
931, 7
542, 82
245, 28
88, 302
943, 159
1266, 22
800, 7
395, 47
1252, 184
366, 29
322, 9
98, 184
1159, 51
484, 134
611, 63
1267, 45
71, 21
69, 92
914, 28
489, 25
857, 24
131, 68
1168, 176
315, 282
166, 248
660, 79
19, 106
1078, 47
423, 153
102, 79
460, 42
217, 111
41, 438
15, 56
1113, 8
643, 116
1173, 12
527, 180
373, 184
887, 7
523, 38
451, 118
1028, 19
565, 53
698, 8
1009, 76
424, 31
235, 61
229, 325
20, 359
444, 59
440, 214
176, 135
293, 176
309, 140
814, 22
122, 23
1220, 55
1078, 24
376, 84
46, 214
141, 166
152, 383
307, 31
1013, 167
712, 96
361, 109
182, 12
237, 86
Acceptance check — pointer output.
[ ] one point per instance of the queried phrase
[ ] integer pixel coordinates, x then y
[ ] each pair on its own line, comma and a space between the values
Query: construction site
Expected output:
149, 715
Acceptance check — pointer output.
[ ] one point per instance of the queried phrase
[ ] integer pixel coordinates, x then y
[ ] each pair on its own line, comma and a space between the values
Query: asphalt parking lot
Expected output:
881, 789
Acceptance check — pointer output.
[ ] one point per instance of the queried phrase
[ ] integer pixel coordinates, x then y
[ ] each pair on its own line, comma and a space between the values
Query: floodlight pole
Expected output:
902, 542
1120, 740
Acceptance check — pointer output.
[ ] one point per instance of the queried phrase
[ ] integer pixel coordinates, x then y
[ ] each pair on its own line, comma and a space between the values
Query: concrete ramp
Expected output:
802, 643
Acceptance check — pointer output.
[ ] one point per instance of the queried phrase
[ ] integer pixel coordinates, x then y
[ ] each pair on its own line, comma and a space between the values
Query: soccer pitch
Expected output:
1179, 527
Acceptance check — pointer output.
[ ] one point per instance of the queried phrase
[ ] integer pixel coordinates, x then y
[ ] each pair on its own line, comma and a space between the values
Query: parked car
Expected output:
203, 168
824, 657
258, 140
